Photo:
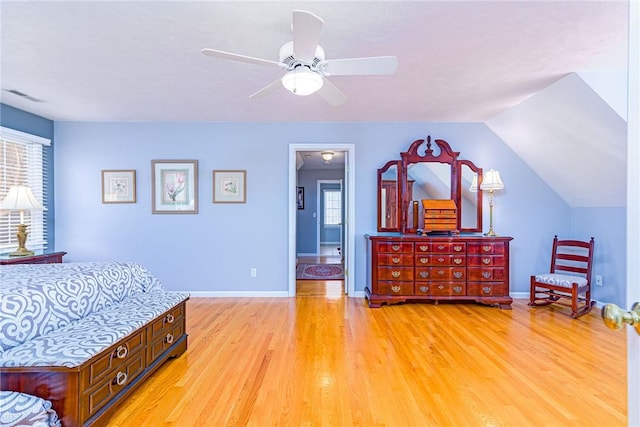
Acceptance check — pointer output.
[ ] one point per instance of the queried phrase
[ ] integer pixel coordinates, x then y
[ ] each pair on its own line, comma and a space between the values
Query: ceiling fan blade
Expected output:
241, 58
306, 34
332, 94
267, 89
375, 65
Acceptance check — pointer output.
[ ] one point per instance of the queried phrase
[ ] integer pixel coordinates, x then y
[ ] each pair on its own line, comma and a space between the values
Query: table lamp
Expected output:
491, 182
20, 198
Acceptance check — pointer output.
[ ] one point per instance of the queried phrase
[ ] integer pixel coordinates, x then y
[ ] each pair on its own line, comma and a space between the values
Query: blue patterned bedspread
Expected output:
38, 300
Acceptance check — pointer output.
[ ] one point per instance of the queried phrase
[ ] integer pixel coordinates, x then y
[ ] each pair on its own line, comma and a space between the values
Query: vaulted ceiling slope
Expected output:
511, 64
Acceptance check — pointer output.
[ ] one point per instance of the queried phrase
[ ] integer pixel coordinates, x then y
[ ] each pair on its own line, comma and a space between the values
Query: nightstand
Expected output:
38, 258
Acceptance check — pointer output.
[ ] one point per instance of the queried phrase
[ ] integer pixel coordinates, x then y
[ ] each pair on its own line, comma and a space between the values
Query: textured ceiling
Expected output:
141, 61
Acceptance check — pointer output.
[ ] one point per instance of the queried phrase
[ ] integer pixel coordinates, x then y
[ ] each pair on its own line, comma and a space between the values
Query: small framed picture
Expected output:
300, 198
229, 186
174, 186
118, 186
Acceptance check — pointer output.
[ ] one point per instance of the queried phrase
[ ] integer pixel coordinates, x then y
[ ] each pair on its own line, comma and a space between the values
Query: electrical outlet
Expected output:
254, 272
598, 280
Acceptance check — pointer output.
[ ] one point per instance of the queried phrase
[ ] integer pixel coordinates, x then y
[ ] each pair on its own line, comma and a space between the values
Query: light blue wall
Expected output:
306, 224
35, 125
214, 250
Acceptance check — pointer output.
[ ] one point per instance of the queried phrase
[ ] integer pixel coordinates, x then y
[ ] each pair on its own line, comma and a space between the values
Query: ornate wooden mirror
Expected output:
429, 174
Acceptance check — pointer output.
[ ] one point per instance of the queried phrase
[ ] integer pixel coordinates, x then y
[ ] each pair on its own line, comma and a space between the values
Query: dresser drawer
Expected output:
488, 260
449, 248
486, 289
444, 260
395, 273
489, 248
486, 274
161, 326
441, 273
395, 247
162, 343
447, 289
108, 361
104, 390
395, 288
395, 259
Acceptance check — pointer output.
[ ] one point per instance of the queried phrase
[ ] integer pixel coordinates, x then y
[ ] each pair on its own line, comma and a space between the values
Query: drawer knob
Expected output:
395, 247
170, 318
121, 378
486, 248
486, 261
457, 289
424, 248
457, 274
122, 352
486, 290
424, 274
457, 261
395, 260
395, 274
441, 287
424, 260
441, 272
168, 339
457, 248
440, 260
424, 288
486, 274
395, 288
441, 247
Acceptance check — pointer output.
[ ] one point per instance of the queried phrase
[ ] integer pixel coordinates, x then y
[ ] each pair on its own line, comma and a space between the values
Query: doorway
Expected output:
347, 232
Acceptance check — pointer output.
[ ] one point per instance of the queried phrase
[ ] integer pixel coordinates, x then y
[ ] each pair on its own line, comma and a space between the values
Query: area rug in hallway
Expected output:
319, 272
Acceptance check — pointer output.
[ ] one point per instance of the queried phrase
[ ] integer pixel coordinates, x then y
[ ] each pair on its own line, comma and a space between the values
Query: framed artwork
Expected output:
300, 198
229, 186
174, 186
118, 186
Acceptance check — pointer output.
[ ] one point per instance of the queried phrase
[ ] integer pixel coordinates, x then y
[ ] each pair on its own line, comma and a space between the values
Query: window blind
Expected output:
22, 160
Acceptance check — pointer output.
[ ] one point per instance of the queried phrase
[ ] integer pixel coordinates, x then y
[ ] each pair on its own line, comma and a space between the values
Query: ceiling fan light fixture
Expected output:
302, 81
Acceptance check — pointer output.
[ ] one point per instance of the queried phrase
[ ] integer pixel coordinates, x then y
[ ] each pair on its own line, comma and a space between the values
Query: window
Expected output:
332, 207
22, 157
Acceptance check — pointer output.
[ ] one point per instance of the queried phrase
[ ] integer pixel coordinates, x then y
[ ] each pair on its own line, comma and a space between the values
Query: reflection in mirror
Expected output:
469, 199
388, 198
426, 181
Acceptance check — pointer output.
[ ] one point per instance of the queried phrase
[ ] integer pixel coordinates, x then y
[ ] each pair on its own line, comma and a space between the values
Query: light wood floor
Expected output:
327, 360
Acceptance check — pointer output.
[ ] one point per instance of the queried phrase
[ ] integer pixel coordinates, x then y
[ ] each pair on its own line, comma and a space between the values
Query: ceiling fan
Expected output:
305, 63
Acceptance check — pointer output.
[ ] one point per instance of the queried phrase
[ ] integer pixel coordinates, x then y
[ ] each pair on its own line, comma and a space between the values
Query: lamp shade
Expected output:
20, 198
474, 184
491, 181
302, 81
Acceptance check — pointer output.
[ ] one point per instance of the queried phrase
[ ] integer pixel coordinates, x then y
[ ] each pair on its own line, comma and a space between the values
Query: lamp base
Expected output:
490, 233
22, 252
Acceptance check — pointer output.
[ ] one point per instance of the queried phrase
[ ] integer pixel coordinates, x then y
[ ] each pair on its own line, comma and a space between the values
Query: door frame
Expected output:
349, 213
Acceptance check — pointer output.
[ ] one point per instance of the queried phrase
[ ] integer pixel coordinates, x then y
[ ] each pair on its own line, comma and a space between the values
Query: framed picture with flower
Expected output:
118, 186
229, 186
174, 186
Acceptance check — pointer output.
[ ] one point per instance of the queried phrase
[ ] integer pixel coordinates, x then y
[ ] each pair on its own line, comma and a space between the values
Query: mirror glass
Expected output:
470, 195
427, 180
388, 212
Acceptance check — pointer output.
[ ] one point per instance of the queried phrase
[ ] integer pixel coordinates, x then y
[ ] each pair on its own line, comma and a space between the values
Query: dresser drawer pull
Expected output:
486, 261
440, 247
170, 318
395, 274
424, 288
486, 248
121, 378
457, 274
486, 290
424, 274
440, 260
395, 247
441, 272
424, 248
457, 248
395, 260
441, 287
122, 352
168, 339
457, 261
486, 274
395, 288
424, 260
457, 289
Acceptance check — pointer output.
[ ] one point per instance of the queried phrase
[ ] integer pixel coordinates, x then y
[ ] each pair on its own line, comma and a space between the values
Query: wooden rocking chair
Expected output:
575, 258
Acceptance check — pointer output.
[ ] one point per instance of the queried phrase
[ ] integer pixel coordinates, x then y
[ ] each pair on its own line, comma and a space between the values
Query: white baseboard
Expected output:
301, 255
525, 295
239, 294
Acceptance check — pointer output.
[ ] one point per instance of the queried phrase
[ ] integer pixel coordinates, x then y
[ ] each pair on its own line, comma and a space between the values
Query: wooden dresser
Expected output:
454, 268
